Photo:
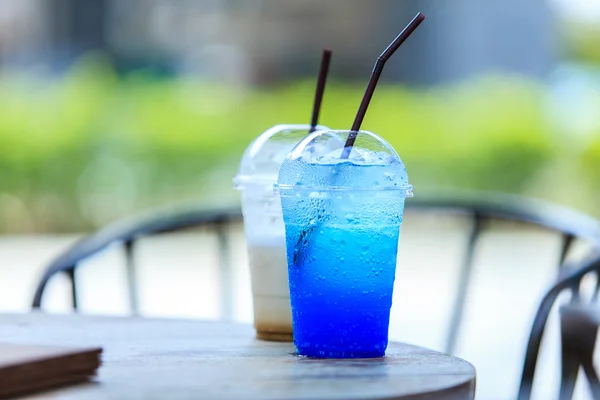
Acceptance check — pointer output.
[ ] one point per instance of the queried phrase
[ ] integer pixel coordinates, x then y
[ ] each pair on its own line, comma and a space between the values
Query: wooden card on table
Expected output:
26, 369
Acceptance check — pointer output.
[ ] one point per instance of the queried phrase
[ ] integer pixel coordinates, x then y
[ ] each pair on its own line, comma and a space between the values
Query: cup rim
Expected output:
407, 189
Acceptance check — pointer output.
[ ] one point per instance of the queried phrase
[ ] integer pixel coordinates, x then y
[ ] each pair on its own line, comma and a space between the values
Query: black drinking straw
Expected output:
379, 64
321, 81
305, 235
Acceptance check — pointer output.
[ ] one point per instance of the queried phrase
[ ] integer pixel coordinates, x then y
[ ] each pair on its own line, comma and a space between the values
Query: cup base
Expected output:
275, 336
318, 353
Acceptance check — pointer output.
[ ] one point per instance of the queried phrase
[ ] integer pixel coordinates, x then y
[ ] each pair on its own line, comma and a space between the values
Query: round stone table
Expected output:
183, 359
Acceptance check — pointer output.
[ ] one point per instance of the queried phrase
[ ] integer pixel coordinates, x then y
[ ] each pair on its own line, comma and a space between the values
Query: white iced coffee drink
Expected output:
265, 231
270, 291
265, 241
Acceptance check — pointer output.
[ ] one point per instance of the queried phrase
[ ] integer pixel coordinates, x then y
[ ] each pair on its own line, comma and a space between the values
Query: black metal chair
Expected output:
579, 323
580, 320
481, 208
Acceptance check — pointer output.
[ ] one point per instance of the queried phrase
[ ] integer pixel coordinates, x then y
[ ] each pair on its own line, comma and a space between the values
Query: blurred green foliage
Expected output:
581, 38
79, 151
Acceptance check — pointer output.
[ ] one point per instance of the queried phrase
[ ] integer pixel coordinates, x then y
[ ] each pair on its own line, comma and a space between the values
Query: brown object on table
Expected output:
174, 359
25, 369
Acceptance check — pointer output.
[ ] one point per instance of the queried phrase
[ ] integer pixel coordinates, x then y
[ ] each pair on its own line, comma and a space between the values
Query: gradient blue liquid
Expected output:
341, 274
341, 293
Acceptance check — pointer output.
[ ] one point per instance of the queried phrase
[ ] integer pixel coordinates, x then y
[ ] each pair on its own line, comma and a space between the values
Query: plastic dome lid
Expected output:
263, 157
315, 163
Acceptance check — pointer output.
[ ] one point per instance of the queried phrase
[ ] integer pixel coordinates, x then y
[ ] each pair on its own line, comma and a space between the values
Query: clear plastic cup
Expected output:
342, 221
264, 230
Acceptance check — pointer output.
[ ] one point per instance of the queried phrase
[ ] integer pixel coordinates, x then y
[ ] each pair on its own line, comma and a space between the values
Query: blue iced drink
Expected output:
342, 221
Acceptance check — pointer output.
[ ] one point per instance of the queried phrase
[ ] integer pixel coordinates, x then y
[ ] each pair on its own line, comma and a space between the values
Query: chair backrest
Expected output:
481, 208
128, 231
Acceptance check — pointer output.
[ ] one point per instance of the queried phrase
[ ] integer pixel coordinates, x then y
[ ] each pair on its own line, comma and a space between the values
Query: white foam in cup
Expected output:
265, 231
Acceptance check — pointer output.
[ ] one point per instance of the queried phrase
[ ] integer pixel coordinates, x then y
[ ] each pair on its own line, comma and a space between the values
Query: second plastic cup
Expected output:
342, 221
264, 230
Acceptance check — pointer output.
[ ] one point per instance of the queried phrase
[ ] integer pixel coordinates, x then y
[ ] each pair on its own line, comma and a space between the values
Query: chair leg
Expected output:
592, 376
71, 275
587, 358
226, 271
578, 341
131, 277
463, 286
568, 240
569, 368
